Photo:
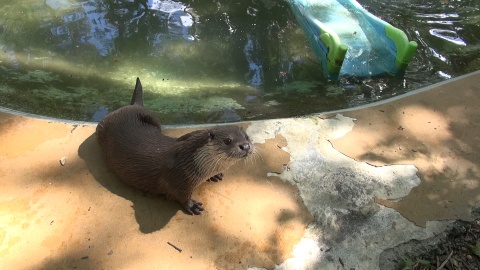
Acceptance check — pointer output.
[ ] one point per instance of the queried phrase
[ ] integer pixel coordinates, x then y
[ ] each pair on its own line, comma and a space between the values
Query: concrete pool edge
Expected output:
335, 180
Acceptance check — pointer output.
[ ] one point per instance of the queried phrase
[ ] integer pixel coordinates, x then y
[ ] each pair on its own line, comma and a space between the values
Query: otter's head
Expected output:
231, 140
223, 146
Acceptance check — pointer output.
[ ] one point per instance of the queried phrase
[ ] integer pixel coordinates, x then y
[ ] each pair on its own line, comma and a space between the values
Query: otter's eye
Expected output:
247, 138
227, 141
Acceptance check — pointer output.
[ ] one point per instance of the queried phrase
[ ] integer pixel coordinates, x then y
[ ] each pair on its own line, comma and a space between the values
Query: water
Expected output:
207, 61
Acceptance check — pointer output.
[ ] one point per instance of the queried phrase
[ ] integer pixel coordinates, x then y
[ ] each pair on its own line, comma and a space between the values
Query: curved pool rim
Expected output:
369, 105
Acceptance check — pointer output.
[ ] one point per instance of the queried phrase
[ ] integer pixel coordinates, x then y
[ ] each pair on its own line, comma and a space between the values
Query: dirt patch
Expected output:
457, 249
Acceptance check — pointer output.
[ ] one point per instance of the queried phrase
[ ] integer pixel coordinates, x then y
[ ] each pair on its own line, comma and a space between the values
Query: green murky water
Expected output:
206, 61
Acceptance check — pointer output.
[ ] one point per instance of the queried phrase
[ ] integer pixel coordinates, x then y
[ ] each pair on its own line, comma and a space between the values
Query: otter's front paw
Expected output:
216, 178
193, 207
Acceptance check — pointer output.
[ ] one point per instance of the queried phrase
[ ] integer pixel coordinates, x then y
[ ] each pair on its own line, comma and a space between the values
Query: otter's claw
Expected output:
216, 178
193, 207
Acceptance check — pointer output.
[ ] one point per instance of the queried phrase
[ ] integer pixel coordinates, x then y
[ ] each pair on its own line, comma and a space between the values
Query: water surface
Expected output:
207, 61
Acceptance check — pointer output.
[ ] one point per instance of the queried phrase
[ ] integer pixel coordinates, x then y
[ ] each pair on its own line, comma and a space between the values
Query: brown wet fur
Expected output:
135, 149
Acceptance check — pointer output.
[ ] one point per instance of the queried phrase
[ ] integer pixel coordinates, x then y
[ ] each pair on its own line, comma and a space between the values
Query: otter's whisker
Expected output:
216, 165
254, 157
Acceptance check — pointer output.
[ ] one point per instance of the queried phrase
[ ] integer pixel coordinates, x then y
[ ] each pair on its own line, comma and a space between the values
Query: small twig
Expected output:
222, 195
175, 247
445, 262
464, 263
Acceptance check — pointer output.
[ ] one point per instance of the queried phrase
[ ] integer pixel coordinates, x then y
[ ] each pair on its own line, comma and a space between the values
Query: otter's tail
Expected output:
137, 97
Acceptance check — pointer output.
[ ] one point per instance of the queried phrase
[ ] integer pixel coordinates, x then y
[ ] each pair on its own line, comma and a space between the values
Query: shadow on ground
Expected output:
151, 212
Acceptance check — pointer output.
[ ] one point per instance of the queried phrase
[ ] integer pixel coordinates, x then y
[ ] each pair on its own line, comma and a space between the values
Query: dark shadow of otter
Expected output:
151, 212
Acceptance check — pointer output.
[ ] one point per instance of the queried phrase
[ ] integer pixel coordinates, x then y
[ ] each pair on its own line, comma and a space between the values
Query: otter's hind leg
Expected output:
193, 207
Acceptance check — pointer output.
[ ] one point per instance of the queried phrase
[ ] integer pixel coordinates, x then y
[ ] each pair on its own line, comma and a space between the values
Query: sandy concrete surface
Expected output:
330, 191
80, 216
438, 131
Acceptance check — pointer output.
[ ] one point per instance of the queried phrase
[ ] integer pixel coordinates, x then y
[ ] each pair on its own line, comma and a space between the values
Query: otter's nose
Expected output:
245, 146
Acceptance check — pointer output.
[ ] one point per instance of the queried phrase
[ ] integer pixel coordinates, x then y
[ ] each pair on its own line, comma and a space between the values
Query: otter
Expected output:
138, 153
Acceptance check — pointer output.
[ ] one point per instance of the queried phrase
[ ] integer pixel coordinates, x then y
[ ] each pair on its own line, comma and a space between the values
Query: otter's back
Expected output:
132, 143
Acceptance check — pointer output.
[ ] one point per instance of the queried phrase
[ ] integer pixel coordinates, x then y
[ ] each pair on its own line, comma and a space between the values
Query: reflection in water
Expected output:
99, 114
88, 26
88, 23
73, 17
178, 22
255, 72
448, 35
102, 34
207, 61
59, 4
